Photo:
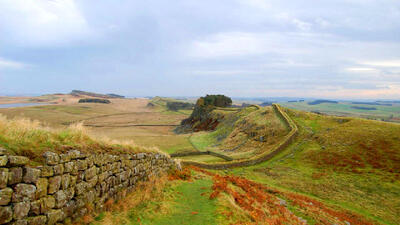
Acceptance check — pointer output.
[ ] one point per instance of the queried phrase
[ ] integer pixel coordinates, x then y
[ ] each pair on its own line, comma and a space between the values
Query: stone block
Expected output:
90, 160
103, 176
6, 214
3, 177
74, 154
15, 175
35, 208
81, 187
92, 182
37, 220
65, 158
47, 171
61, 199
31, 175
5, 196
47, 204
41, 187
72, 181
91, 172
20, 222
69, 167
65, 181
24, 192
3, 160
51, 158
54, 216
54, 184
58, 169
81, 164
70, 193
14, 160
21, 210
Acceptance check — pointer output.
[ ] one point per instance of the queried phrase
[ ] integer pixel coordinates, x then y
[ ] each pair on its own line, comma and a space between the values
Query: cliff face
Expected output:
203, 117
68, 184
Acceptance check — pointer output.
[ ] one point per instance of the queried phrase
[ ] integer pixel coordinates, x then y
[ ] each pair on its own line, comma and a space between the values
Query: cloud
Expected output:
41, 22
9, 64
361, 69
383, 63
234, 44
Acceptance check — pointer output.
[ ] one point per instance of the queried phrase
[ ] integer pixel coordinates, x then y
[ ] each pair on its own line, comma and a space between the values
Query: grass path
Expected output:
178, 202
190, 206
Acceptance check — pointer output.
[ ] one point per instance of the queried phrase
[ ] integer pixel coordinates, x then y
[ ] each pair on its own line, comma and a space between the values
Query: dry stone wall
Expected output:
64, 187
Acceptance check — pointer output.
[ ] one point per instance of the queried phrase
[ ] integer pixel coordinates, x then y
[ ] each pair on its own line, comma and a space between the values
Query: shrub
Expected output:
175, 106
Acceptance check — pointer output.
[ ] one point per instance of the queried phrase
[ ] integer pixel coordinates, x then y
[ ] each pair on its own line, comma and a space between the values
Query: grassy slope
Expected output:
160, 105
352, 163
241, 130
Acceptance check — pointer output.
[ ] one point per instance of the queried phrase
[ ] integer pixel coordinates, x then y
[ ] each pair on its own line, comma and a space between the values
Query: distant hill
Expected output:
371, 103
92, 94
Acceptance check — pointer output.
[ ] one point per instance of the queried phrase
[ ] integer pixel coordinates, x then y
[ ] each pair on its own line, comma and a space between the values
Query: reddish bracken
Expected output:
265, 206
184, 174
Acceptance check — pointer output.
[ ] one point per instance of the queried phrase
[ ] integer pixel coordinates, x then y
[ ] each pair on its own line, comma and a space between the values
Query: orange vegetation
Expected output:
266, 205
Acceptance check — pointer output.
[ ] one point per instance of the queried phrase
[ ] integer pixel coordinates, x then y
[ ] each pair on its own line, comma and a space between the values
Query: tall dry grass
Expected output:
121, 212
29, 138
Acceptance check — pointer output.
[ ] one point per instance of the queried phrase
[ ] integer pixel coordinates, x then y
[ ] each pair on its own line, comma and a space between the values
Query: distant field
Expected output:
369, 111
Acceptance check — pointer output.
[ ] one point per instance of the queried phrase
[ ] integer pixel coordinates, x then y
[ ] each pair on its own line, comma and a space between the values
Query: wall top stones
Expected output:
64, 187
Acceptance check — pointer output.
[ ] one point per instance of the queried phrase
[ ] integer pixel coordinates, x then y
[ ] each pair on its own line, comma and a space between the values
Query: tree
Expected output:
214, 100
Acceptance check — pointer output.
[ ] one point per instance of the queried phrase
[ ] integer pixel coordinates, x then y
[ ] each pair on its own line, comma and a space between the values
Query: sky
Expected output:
339, 49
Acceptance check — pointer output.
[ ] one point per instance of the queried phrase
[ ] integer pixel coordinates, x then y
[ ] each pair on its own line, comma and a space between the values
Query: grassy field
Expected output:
125, 120
382, 112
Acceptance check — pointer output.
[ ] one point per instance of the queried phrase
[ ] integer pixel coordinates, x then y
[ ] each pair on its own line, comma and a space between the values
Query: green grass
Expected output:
189, 206
178, 202
202, 140
203, 158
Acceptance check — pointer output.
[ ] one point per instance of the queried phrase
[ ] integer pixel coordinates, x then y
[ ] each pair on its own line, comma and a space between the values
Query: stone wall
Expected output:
67, 184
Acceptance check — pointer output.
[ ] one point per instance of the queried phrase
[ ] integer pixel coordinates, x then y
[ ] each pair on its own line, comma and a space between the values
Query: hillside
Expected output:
347, 163
241, 133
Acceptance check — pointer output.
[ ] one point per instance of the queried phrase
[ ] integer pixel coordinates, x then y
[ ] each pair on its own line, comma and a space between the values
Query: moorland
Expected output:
335, 170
